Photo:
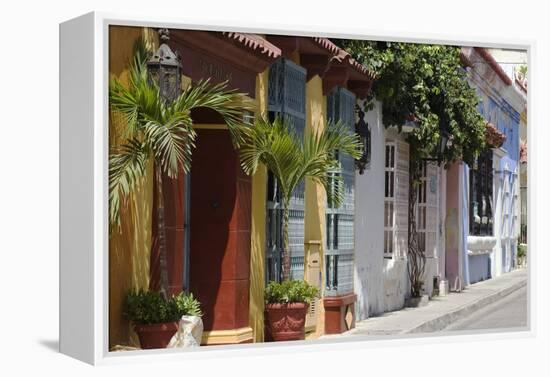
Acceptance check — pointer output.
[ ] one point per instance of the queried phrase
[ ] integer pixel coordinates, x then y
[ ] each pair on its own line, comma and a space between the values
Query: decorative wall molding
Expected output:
477, 245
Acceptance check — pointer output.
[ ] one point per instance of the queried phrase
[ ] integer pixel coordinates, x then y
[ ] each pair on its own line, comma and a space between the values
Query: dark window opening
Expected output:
481, 195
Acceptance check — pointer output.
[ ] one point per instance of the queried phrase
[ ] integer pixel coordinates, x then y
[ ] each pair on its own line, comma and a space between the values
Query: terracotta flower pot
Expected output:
286, 321
156, 335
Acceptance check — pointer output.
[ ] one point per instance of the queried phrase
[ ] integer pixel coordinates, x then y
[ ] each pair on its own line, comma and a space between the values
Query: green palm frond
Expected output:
126, 167
230, 104
141, 53
171, 142
277, 147
292, 160
164, 131
319, 161
140, 100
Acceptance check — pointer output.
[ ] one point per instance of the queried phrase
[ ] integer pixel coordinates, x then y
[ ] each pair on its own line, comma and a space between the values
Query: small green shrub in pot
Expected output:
290, 291
186, 304
156, 318
148, 307
522, 250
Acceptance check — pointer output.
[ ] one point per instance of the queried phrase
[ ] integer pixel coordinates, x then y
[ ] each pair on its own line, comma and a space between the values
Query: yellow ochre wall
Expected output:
315, 196
129, 245
258, 240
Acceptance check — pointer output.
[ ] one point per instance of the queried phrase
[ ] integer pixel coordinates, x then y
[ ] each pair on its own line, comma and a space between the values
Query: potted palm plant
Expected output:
155, 318
291, 160
287, 304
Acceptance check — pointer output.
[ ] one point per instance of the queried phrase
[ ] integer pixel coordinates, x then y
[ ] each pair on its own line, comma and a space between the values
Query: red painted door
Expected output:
220, 232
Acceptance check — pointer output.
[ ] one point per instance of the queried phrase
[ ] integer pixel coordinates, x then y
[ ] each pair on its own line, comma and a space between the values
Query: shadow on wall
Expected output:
129, 254
129, 245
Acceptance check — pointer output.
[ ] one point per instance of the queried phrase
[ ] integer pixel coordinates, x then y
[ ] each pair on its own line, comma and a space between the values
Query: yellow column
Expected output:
315, 199
129, 245
258, 240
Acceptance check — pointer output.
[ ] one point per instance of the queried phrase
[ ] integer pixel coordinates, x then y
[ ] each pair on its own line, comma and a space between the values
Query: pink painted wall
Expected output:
452, 225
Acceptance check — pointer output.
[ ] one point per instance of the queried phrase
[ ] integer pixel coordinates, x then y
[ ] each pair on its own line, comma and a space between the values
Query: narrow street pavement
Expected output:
509, 312
500, 302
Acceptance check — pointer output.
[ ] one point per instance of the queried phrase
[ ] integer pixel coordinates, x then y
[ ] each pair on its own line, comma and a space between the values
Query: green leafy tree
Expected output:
425, 83
522, 70
162, 131
292, 160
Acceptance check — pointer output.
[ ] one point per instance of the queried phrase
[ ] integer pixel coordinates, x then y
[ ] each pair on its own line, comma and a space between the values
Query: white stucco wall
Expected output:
396, 284
380, 284
369, 226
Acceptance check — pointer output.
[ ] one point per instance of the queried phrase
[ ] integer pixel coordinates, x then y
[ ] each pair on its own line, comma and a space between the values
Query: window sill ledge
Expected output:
478, 245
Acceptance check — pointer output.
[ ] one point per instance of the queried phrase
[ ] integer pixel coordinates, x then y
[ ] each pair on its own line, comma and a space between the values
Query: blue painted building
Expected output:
491, 186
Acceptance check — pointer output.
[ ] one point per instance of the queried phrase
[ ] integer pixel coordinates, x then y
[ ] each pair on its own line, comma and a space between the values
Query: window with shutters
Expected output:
389, 200
481, 195
396, 199
340, 219
515, 207
426, 209
421, 209
506, 208
286, 99
509, 204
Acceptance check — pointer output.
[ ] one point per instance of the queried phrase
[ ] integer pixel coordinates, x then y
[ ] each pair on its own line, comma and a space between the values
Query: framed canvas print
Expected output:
229, 189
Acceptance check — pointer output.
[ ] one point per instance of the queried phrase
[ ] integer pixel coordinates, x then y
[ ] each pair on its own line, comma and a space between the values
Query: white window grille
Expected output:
427, 210
421, 209
506, 208
389, 200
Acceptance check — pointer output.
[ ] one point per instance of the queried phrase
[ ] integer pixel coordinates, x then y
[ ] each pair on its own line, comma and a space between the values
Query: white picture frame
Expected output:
84, 190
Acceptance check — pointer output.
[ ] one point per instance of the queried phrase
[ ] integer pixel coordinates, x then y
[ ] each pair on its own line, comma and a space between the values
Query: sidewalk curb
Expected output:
440, 323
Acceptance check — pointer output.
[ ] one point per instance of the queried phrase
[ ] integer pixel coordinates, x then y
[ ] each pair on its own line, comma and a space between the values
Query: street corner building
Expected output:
223, 228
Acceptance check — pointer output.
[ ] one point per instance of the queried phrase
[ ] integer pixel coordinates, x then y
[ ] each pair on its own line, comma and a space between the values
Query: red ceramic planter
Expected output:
156, 335
286, 321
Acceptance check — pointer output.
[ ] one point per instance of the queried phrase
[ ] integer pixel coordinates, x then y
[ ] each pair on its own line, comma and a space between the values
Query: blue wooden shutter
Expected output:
286, 98
340, 220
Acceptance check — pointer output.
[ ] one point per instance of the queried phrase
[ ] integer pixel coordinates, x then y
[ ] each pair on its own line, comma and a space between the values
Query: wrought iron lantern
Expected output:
444, 142
164, 68
444, 138
363, 131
